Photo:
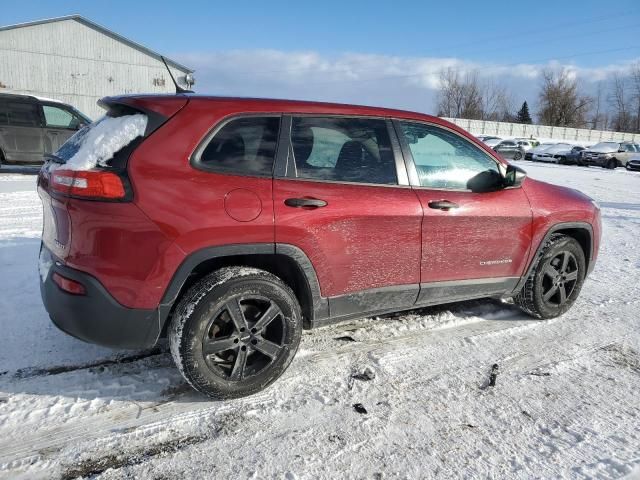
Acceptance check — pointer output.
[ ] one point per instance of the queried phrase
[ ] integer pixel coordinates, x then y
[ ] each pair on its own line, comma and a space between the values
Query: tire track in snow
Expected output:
112, 426
152, 416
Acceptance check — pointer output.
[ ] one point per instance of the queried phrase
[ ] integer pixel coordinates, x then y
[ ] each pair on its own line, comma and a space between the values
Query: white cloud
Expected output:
393, 81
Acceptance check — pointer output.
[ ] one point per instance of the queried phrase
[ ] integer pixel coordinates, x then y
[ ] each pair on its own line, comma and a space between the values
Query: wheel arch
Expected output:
582, 232
287, 262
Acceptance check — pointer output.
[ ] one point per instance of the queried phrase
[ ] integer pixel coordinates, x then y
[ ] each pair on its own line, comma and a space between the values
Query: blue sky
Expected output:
365, 51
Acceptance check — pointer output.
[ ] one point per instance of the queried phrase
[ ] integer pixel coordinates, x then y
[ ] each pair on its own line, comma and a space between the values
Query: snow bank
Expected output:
100, 141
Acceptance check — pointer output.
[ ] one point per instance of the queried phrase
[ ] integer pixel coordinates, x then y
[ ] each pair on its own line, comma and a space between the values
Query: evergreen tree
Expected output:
523, 115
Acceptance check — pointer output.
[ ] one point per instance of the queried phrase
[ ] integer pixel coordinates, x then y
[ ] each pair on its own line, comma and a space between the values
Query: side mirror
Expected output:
514, 176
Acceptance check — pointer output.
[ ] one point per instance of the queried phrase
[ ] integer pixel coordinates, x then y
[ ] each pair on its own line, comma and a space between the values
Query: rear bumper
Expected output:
95, 317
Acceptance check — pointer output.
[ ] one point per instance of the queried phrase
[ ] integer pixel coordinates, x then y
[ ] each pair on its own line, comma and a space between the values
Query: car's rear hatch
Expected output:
87, 177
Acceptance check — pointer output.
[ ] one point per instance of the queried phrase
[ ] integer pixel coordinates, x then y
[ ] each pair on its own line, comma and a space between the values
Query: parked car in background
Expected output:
633, 163
610, 154
548, 154
483, 138
510, 149
257, 225
527, 143
570, 157
31, 127
540, 148
493, 141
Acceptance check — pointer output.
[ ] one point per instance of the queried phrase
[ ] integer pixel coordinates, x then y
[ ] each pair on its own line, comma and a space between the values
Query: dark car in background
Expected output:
633, 163
570, 157
31, 127
512, 149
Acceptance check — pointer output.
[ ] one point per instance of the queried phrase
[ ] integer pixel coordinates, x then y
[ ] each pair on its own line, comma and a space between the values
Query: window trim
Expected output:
194, 158
411, 166
284, 170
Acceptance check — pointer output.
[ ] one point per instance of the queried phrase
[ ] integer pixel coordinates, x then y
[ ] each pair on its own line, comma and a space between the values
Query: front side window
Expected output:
23, 114
245, 146
56, 117
343, 149
444, 159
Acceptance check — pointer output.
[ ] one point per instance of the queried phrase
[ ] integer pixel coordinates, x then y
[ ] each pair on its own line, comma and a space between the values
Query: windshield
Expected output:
97, 143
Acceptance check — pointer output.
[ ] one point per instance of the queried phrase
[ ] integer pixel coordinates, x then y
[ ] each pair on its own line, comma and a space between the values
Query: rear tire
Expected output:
235, 332
556, 280
517, 156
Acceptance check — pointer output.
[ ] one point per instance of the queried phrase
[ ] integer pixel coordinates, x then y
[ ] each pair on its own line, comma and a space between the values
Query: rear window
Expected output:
98, 143
19, 114
245, 146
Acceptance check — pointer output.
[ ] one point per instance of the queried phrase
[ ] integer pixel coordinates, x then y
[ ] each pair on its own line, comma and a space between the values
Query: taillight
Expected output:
93, 184
68, 285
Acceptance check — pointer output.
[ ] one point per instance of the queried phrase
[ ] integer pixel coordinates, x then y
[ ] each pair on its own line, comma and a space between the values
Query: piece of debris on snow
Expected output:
366, 375
358, 407
491, 381
345, 338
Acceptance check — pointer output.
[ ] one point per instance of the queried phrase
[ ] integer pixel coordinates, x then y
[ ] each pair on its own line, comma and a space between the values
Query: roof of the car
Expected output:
30, 97
293, 106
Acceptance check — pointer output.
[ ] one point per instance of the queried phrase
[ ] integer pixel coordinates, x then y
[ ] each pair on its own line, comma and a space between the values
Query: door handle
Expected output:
442, 205
305, 203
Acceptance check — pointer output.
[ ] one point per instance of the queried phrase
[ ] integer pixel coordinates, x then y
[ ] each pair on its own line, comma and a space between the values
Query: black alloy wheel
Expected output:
560, 277
235, 332
244, 337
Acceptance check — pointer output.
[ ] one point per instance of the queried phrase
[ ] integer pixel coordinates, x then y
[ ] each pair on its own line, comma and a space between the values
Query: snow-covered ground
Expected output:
566, 400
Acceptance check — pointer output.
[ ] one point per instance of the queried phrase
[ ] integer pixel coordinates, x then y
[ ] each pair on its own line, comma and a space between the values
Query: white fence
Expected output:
504, 129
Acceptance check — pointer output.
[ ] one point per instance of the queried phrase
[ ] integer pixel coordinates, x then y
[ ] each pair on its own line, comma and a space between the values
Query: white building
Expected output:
78, 62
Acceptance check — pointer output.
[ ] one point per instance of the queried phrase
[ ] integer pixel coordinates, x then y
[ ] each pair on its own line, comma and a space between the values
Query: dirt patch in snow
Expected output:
56, 370
623, 356
96, 466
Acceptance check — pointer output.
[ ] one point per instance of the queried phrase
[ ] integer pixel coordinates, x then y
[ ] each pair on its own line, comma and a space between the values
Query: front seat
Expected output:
351, 160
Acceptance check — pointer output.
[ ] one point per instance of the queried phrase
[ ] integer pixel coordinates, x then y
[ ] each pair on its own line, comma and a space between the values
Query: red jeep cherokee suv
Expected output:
230, 224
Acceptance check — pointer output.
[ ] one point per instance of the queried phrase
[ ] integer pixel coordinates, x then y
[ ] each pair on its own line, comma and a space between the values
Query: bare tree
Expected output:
635, 95
465, 96
560, 101
459, 96
497, 102
598, 115
619, 101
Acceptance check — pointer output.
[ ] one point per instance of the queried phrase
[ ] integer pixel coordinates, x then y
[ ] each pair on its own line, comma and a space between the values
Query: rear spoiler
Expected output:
158, 108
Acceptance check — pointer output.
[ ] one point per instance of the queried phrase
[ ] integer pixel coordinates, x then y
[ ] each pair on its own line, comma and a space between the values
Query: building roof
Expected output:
105, 31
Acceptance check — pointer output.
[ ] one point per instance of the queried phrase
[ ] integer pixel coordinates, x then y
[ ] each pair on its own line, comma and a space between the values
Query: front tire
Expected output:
235, 332
612, 164
556, 280
517, 156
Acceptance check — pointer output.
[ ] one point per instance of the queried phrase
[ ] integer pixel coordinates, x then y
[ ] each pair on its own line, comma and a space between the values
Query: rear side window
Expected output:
22, 114
343, 149
56, 117
244, 146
